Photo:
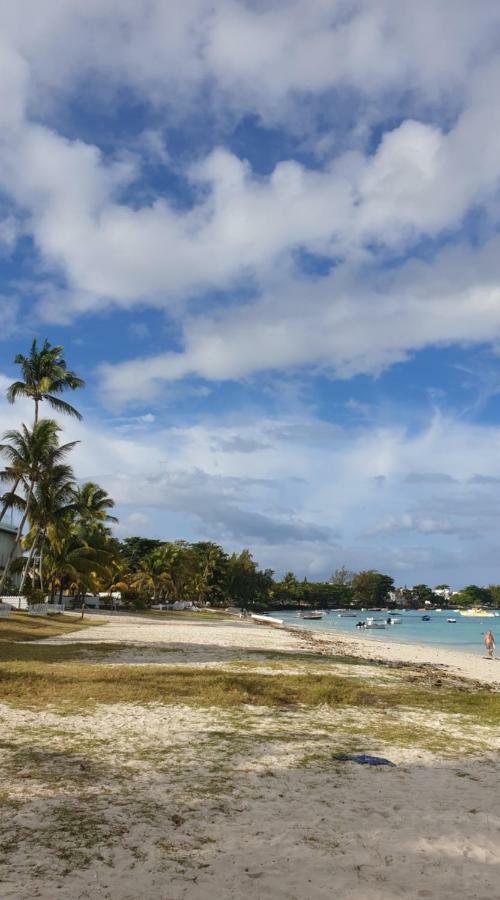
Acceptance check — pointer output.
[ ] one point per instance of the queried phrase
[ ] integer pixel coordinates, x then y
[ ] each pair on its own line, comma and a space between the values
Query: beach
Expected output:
212, 642
113, 800
458, 662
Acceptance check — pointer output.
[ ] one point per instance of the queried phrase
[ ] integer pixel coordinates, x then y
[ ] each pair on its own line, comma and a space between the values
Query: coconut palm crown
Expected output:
45, 375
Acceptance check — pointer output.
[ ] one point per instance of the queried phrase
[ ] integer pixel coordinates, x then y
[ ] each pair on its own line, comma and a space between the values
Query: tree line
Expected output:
64, 544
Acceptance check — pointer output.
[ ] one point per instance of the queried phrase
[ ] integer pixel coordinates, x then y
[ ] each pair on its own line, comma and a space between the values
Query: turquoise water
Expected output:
465, 634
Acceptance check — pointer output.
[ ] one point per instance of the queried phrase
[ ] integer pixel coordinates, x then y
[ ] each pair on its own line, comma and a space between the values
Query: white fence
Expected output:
15, 602
45, 609
9, 604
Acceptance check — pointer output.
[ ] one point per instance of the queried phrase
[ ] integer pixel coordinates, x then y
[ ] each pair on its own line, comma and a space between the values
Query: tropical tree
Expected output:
370, 588
70, 563
29, 452
52, 510
45, 376
92, 504
342, 576
150, 579
472, 595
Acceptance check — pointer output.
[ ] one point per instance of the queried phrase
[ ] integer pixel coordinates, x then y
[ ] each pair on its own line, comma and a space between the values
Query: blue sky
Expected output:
266, 234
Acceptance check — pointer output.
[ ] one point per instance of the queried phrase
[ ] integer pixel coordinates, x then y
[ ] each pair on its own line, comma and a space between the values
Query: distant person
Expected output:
489, 643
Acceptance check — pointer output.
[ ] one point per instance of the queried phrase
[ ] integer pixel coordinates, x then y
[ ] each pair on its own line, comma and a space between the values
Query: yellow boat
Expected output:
476, 613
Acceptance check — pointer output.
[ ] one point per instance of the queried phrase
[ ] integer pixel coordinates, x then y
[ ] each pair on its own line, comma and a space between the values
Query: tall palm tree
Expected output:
52, 509
45, 375
92, 504
29, 452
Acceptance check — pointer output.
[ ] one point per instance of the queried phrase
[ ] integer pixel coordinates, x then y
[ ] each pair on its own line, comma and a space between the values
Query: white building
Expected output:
7, 539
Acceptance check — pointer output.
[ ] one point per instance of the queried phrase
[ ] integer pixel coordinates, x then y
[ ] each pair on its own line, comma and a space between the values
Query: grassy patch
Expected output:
83, 686
193, 615
22, 627
59, 653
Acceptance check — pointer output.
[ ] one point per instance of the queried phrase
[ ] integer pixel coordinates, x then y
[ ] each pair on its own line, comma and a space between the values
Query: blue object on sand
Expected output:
364, 759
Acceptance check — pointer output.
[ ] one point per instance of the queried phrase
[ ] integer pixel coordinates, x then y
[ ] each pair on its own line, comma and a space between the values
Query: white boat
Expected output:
451, 620
312, 614
476, 613
374, 623
393, 620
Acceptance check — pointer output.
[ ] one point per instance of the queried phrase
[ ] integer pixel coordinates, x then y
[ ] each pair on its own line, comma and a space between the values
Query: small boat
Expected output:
312, 614
476, 613
374, 623
393, 620
426, 618
451, 620
347, 616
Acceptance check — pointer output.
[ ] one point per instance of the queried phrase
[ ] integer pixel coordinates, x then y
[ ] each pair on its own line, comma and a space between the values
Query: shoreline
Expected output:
217, 640
455, 662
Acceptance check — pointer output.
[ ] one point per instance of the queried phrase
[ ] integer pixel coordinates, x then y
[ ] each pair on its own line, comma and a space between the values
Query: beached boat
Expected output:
312, 614
476, 613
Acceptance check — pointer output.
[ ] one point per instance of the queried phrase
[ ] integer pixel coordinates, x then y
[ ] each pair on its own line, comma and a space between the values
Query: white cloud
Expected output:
350, 322
302, 493
420, 180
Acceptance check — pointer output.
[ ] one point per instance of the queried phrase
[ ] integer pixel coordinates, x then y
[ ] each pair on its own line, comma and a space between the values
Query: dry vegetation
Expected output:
20, 626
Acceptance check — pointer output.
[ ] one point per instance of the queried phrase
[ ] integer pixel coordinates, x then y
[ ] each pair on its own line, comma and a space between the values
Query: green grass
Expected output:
59, 653
20, 626
193, 615
38, 684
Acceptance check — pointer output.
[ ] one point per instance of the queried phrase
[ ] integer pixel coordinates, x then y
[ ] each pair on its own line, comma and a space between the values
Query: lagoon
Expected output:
465, 634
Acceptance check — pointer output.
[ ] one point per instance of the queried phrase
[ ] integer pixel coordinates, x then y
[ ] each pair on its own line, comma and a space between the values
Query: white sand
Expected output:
215, 641
182, 804
175, 803
457, 662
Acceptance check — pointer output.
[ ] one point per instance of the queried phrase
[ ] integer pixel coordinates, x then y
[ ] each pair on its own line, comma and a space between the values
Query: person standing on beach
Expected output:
489, 643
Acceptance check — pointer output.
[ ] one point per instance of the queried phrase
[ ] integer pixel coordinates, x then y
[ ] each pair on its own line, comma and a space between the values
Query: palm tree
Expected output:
92, 504
29, 452
45, 374
70, 561
52, 508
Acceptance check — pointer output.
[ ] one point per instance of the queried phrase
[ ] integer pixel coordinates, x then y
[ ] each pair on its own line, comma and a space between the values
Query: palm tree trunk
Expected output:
28, 563
17, 540
40, 562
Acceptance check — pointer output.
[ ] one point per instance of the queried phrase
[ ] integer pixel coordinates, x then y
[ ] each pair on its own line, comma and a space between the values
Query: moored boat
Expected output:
476, 613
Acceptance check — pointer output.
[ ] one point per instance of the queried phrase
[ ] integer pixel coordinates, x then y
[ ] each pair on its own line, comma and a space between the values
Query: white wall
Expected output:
7, 537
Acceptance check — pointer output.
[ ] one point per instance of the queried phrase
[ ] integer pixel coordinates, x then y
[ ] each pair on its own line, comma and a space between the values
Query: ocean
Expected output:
465, 634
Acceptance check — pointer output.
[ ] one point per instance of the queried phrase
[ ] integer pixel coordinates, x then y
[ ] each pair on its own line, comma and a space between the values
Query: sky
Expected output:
267, 234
